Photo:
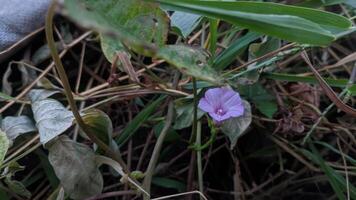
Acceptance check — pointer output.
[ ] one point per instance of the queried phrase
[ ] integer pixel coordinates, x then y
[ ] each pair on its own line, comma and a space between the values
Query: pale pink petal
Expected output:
205, 106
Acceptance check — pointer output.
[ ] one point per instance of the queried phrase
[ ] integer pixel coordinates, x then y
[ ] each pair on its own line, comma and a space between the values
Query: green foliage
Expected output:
4, 146
292, 23
184, 23
139, 24
169, 183
193, 62
235, 49
184, 113
262, 99
135, 124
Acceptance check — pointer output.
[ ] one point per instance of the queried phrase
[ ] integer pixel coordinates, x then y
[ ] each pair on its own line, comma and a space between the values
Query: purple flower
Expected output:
221, 104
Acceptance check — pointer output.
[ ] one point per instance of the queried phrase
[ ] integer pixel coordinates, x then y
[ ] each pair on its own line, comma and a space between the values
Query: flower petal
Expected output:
205, 106
213, 97
231, 99
236, 111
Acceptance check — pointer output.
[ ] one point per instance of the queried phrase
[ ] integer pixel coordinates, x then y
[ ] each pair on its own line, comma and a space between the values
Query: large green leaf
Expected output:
235, 127
303, 25
190, 61
75, 166
139, 24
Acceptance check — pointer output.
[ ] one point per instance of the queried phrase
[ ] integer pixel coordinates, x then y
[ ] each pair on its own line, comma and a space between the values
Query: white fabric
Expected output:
19, 18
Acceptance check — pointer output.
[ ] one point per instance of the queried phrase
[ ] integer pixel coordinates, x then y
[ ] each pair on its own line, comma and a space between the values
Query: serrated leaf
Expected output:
75, 166
184, 23
4, 146
235, 127
15, 126
100, 123
192, 62
52, 118
141, 25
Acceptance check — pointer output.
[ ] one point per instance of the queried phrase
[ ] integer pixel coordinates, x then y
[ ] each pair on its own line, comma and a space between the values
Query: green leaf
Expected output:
184, 23
100, 123
189, 61
17, 187
4, 146
263, 100
319, 3
52, 118
110, 47
172, 135
235, 127
340, 83
298, 24
75, 166
135, 124
235, 49
4, 96
169, 183
184, 114
15, 126
139, 24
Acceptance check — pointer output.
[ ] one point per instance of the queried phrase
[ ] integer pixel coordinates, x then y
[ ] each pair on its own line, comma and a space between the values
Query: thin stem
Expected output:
68, 91
199, 159
157, 149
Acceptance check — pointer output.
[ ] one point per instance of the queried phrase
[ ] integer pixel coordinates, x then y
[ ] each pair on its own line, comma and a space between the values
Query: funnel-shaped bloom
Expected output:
221, 104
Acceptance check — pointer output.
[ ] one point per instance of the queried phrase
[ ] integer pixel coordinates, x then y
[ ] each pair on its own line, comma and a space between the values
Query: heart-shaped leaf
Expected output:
76, 168
235, 127
15, 126
52, 118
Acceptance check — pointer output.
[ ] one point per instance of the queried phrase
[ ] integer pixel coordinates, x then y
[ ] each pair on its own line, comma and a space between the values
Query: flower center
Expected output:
220, 111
